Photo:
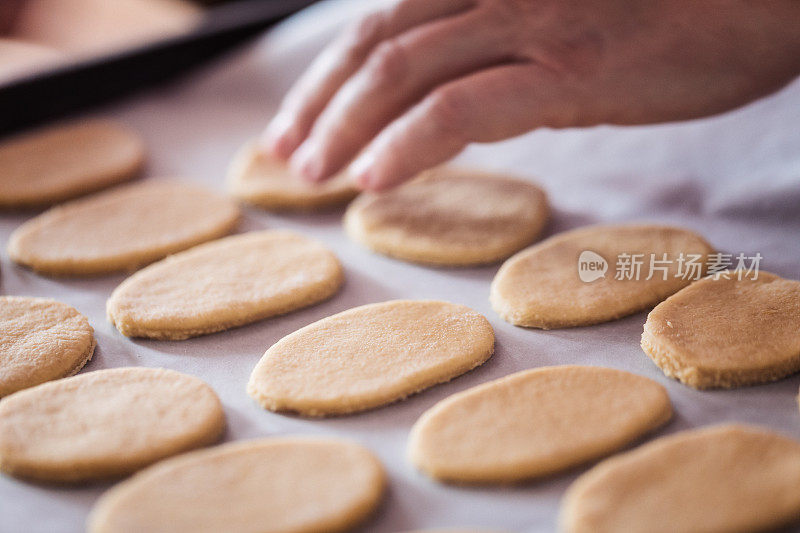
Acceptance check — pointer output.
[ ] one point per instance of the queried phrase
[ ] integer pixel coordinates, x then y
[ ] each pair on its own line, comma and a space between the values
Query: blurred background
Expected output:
41, 34
59, 56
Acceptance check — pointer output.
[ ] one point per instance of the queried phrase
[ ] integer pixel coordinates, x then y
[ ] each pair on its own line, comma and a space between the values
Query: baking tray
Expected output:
63, 90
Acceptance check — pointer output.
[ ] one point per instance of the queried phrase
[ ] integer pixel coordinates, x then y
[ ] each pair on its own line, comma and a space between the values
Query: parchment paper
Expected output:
734, 178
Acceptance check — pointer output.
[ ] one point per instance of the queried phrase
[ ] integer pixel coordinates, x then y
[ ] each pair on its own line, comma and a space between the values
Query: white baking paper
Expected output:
734, 178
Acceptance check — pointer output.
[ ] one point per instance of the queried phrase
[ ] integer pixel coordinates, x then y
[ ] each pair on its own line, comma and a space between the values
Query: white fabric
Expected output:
734, 178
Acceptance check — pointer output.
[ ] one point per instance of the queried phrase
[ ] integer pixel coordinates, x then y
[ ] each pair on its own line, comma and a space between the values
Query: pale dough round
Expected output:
727, 332
86, 29
224, 284
20, 58
40, 340
121, 229
271, 485
105, 423
450, 216
535, 423
370, 356
60, 162
540, 287
264, 181
723, 478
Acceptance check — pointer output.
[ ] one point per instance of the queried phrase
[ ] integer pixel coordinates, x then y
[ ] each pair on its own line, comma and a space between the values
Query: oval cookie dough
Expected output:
41, 340
223, 284
450, 216
370, 356
540, 287
264, 181
105, 423
23, 58
723, 478
121, 229
727, 332
535, 423
60, 162
280, 485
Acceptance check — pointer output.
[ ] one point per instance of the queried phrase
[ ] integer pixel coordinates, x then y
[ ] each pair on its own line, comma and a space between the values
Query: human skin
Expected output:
409, 87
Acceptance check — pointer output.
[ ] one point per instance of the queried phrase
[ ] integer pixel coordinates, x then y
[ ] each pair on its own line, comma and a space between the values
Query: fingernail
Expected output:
306, 164
278, 138
361, 170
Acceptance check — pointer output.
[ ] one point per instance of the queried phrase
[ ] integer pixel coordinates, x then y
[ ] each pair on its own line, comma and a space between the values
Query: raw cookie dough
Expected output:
105, 423
121, 229
370, 356
264, 181
540, 287
450, 216
224, 284
272, 485
722, 478
535, 423
60, 162
40, 340
726, 333
19, 59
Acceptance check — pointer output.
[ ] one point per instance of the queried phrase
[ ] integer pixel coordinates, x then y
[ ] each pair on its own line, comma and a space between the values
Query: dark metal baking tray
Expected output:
61, 91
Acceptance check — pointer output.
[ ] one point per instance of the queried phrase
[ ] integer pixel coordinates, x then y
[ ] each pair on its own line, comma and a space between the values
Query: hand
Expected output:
411, 86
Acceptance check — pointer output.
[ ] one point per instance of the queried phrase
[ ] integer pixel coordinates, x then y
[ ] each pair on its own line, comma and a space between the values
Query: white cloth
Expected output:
734, 178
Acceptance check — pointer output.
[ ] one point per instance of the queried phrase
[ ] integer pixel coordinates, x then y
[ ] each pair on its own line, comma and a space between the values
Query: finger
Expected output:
488, 106
399, 71
340, 60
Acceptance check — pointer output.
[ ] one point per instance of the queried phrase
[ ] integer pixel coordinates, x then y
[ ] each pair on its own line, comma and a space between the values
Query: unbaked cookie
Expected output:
40, 340
272, 485
723, 478
535, 423
264, 181
60, 162
450, 216
370, 356
224, 284
20, 58
105, 423
727, 332
589, 275
121, 229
